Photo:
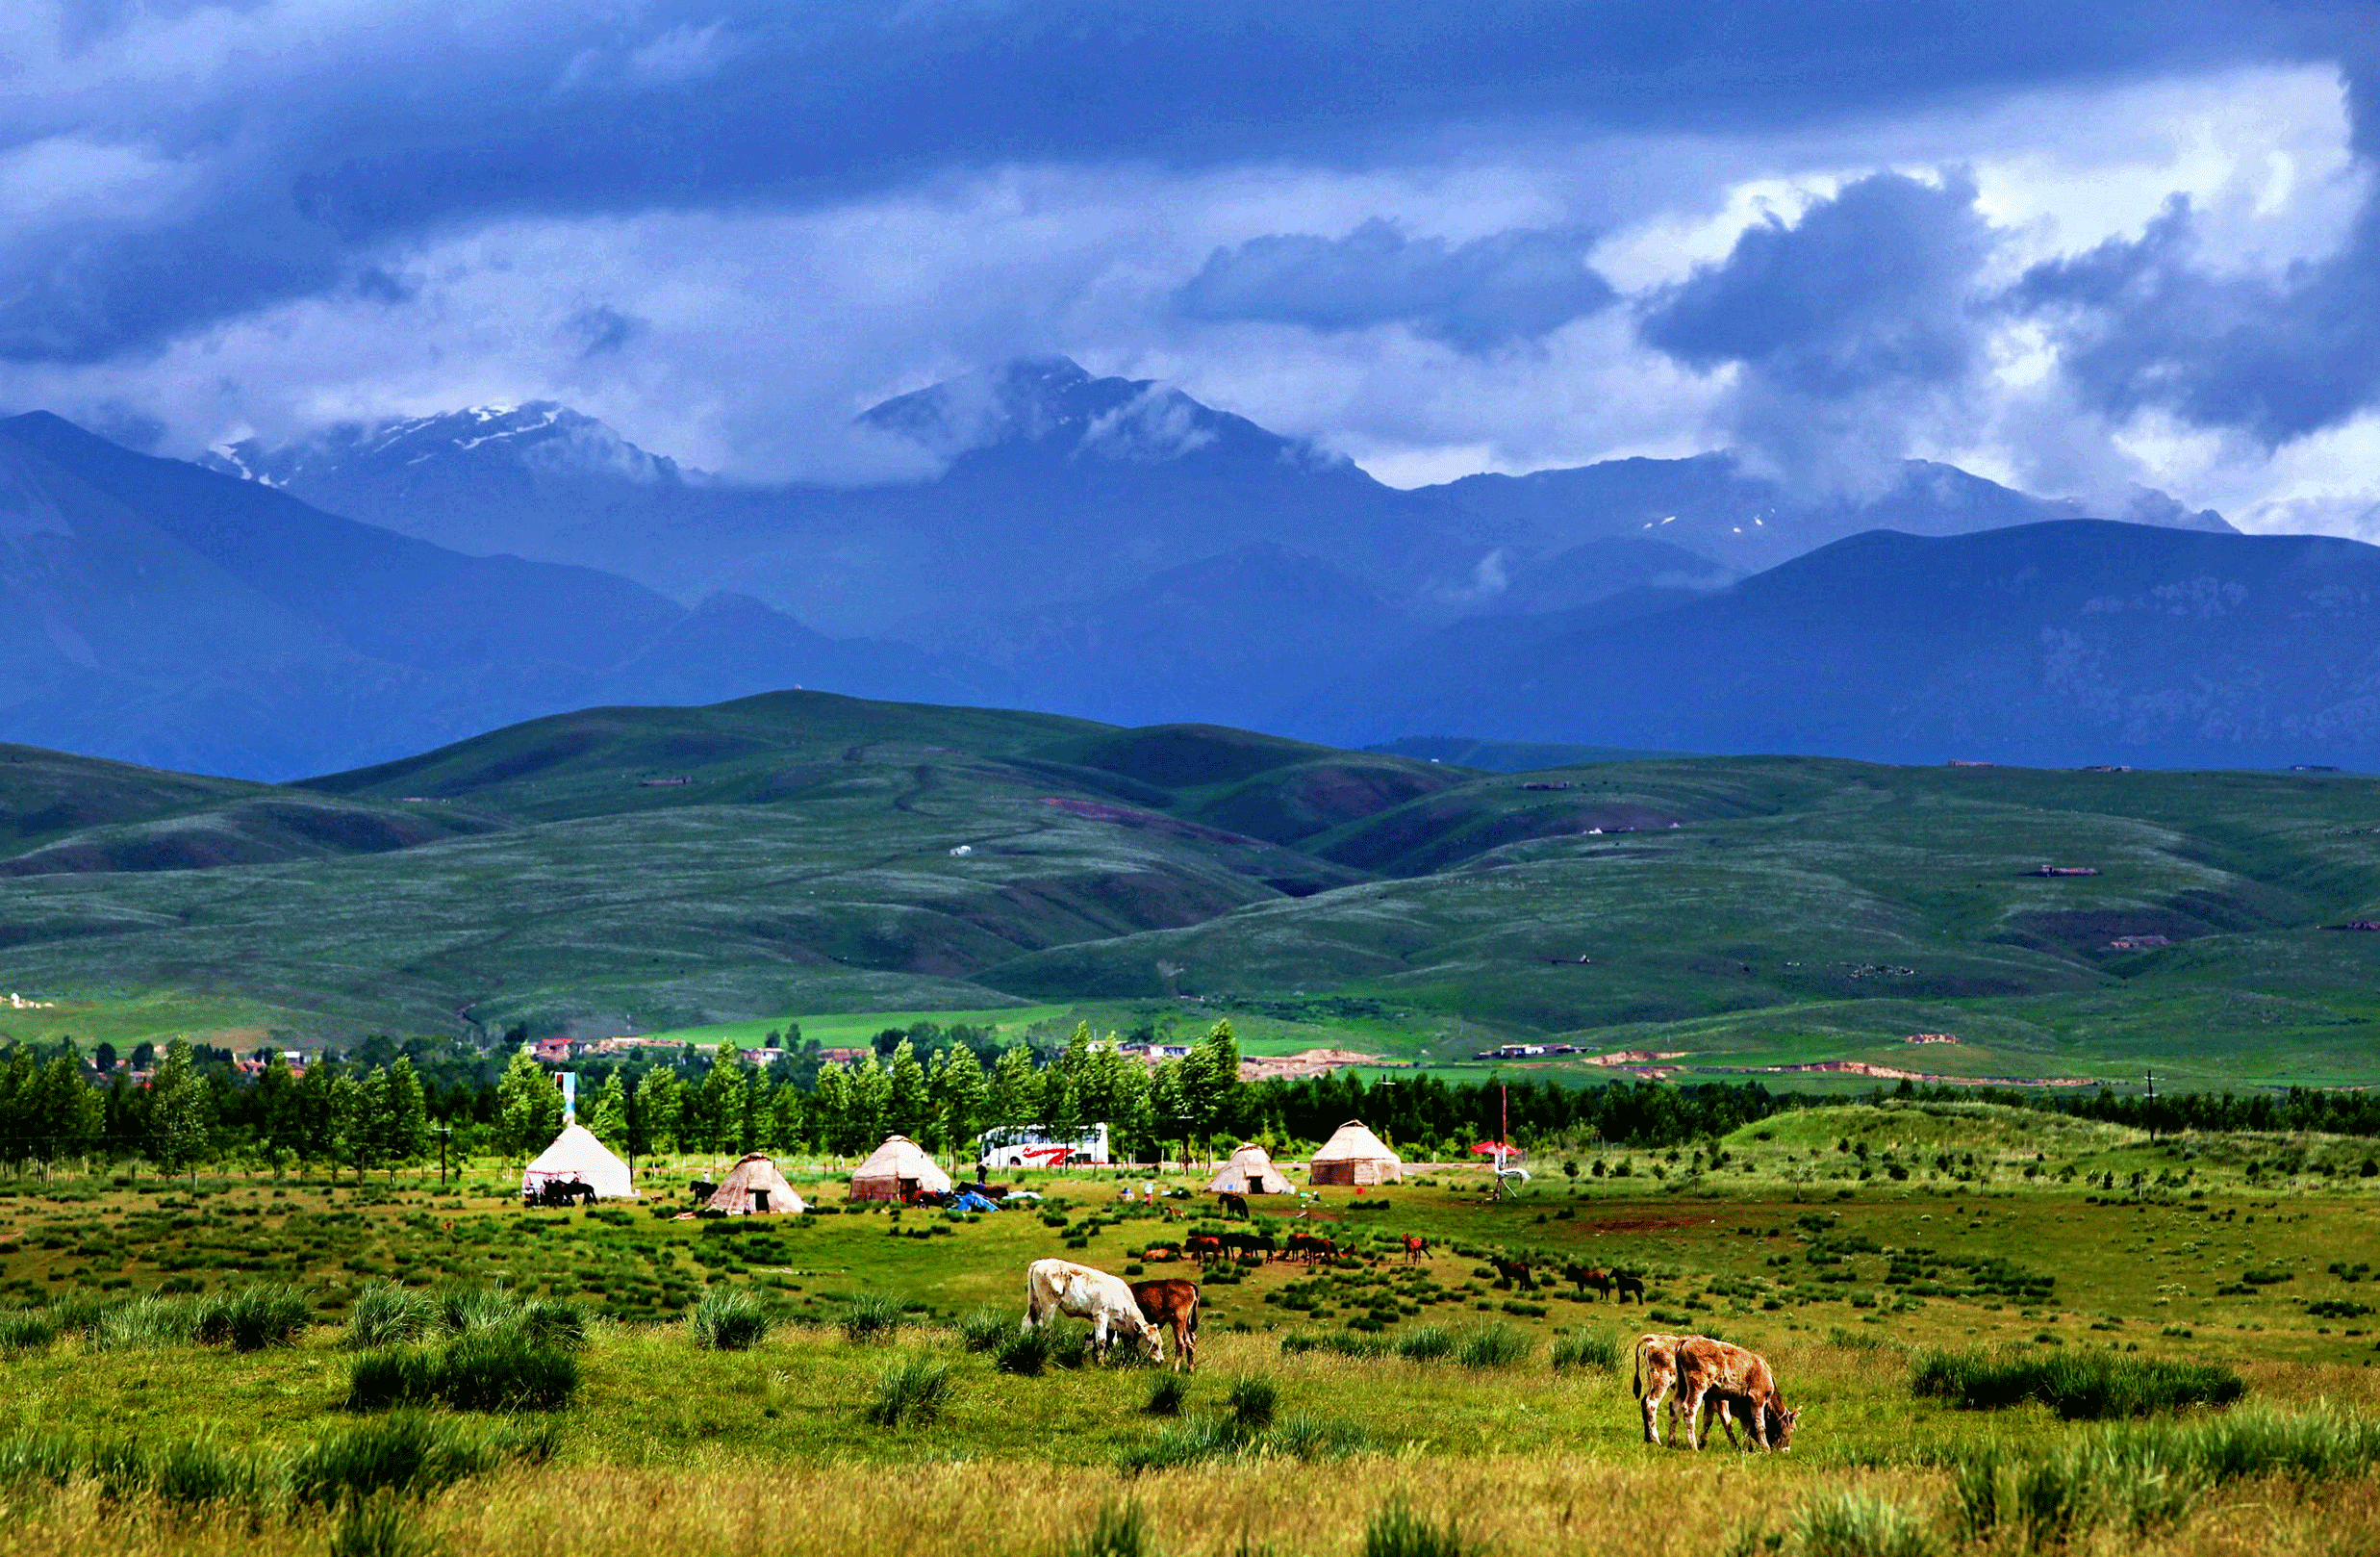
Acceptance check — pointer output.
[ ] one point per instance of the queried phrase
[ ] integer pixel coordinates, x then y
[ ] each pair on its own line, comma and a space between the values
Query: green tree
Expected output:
909, 1108
61, 1115
660, 1110
722, 1099
961, 1092
1210, 1081
830, 1106
1016, 1088
528, 1106
405, 1118
871, 1105
181, 1111
608, 1115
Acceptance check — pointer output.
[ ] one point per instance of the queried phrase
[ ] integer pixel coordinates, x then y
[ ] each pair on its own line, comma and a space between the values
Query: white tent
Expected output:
1353, 1155
576, 1157
754, 1187
1249, 1172
896, 1170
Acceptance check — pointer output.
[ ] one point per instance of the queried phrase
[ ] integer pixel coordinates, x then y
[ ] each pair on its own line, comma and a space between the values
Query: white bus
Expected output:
1032, 1146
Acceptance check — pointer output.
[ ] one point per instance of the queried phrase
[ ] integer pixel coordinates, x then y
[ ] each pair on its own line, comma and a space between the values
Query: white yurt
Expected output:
896, 1170
754, 1187
1249, 1172
1353, 1155
576, 1157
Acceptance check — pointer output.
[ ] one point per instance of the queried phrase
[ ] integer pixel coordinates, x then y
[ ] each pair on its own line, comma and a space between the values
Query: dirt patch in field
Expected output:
1304, 1063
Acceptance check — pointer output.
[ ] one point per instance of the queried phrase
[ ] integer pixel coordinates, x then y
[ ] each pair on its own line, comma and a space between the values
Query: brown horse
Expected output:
1173, 1305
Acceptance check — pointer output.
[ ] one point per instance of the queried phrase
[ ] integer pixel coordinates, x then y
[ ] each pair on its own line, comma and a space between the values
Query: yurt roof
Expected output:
1251, 1171
900, 1158
1352, 1142
576, 1150
757, 1170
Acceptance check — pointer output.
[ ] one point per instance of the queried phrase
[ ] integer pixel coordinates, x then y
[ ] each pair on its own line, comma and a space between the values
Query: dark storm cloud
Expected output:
1868, 288
1488, 293
403, 122
2147, 324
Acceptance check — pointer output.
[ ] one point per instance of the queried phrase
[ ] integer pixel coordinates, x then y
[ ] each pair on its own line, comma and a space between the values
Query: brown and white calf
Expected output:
1730, 1380
1055, 1287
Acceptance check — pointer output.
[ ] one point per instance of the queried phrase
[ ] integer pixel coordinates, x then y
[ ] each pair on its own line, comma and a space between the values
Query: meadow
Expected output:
1987, 1357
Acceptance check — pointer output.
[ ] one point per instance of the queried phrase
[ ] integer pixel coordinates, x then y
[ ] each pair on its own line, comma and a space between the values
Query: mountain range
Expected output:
1114, 549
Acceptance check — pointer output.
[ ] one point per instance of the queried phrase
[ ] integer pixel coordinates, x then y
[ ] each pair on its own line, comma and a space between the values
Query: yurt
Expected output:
1353, 1155
754, 1187
1249, 1172
896, 1170
576, 1157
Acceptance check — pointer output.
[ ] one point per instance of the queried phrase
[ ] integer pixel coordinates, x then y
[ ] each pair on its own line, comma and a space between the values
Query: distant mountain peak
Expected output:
1054, 405
543, 438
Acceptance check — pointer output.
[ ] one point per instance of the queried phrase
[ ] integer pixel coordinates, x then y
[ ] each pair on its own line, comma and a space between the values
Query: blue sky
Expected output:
2071, 246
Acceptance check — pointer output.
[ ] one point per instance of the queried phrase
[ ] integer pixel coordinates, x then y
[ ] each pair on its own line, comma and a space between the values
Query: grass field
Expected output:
1865, 1251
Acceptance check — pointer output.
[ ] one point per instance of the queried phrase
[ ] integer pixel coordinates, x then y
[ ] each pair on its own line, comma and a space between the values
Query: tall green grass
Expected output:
1854, 1523
497, 1369
1492, 1343
914, 1393
729, 1320
872, 1319
1396, 1531
1587, 1348
2079, 1385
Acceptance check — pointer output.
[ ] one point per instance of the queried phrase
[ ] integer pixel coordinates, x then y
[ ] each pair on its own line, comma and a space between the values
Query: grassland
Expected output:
828, 858
1843, 1280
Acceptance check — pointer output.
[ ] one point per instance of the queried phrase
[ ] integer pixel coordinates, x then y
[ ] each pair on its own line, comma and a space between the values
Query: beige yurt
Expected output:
754, 1187
1249, 1172
896, 1170
576, 1157
1353, 1155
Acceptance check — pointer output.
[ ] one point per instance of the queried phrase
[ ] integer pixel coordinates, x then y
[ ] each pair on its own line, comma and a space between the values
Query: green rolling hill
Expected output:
798, 852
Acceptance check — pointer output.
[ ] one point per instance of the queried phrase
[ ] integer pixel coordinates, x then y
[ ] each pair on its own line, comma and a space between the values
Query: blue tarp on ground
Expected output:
969, 1200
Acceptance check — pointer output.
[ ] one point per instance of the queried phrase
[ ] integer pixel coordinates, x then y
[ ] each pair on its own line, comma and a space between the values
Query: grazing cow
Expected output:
1515, 1271
1233, 1205
1162, 1253
1204, 1247
1415, 1247
1175, 1305
1730, 1380
1055, 1287
1625, 1284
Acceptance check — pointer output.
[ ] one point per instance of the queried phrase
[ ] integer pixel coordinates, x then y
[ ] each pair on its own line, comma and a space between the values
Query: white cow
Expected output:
1055, 1287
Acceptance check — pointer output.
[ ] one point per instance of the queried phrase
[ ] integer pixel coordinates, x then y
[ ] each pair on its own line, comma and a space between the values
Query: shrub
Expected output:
1252, 1402
1025, 1352
983, 1330
387, 1315
143, 1321
554, 1321
502, 1369
1860, 1524
26, 1331
728, 1319
1491, 1344
1586, 1349
252, 1318
1119, 1532
408, 1452
871, 1318
391, 1376
382, 1527
1396, 1531
2079, 1385
911, 1394
1166, 1393
1426, 1343
181, 1473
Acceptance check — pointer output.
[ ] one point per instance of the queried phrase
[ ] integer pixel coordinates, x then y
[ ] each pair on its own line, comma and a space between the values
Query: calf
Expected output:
1055, 1287
1174, 1305
1732, 1380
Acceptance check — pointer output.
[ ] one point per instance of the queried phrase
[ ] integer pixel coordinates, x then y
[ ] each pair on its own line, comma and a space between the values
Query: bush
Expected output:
387, 1315
1491, 1344
1252, 1402
1860, 1524
1586, 1349
728, 1319
26, 1331
1426, 1343
2079, 1385
983, 1330
1166, 1393
407, 1452
871, 1318
1120, 1532
252, 1318
911, 1394
500, 1369
143, 1321
1023, 1352
181, 1473
1396, 1531
391, 1376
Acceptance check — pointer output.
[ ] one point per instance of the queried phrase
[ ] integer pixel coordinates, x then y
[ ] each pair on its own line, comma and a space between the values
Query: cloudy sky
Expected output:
2071, 246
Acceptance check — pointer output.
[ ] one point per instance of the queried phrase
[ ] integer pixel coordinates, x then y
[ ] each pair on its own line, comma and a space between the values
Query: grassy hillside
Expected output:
825, 855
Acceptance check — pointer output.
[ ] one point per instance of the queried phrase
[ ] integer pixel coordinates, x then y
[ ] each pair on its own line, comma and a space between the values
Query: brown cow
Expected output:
1174, 1305
1727, 1377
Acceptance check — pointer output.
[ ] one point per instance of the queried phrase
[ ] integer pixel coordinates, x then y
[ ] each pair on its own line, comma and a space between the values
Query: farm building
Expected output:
754, 1187
896, 1170
576, 1157
1353, 1155
1249, 1172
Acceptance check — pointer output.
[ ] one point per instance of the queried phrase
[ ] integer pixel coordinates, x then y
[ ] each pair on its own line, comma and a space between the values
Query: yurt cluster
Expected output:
578, 1166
